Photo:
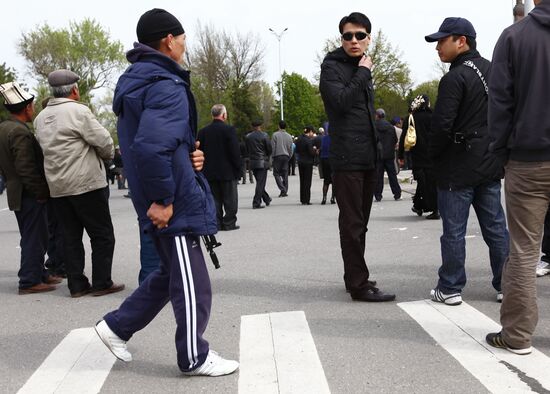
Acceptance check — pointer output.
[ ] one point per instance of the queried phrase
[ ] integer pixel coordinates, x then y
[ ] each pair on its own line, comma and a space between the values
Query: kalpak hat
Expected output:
156, 24
15, 97
453, 26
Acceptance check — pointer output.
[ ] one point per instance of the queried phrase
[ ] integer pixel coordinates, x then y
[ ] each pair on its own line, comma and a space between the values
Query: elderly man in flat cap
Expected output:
74, 146
21, 163
157, 123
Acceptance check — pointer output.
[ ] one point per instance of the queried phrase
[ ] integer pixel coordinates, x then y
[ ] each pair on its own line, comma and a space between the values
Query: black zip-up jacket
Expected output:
388, 138
348, 96
304, 149
519, 89
459, 140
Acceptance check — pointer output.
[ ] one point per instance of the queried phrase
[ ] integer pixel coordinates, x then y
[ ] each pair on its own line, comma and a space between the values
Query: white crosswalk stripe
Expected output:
278, 355
79, 364
461, 331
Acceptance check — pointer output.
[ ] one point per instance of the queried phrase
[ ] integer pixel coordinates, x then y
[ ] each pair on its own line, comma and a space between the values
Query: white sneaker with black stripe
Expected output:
214, 365
543, 268
448, 299
116, 345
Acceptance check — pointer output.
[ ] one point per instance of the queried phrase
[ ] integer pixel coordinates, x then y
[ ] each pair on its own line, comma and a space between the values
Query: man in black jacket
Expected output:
346, 89
222, 165
306, 155
519, 129
467, 173
388, 141
259, 150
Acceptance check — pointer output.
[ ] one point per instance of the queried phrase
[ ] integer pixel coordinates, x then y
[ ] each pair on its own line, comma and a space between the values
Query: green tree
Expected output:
302, 103
391, 101
7, 74
85, 48
105, 114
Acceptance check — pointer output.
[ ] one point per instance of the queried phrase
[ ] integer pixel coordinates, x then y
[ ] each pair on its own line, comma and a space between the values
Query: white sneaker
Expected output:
500, 296
448, 299
214, 365
116, 345
543, 268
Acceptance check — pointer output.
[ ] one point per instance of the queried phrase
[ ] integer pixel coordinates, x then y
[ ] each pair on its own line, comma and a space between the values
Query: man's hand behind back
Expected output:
197, 157
160, 215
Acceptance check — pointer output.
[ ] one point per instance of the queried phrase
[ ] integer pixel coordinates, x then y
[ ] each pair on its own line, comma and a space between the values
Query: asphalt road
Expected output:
284, 258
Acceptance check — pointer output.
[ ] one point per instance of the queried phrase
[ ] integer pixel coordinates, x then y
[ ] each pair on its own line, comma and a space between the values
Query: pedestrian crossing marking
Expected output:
278, 355
79, 364
461, 331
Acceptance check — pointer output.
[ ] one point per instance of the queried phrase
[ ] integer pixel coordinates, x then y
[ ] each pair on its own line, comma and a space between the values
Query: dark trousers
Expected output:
227, 200
56, 254
354, 191
292, 165
305, 170
182, 279
280, 172
148, 255
387, 165
260, 194
89, 211
245, 168
33, 227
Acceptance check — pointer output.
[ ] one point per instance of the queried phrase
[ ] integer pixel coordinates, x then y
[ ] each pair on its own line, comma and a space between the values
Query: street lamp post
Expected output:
279, 37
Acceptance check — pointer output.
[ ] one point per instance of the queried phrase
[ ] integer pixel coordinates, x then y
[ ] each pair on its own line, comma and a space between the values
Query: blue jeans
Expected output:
454, 207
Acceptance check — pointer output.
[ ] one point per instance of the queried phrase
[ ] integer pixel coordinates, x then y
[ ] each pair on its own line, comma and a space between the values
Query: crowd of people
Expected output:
485, 125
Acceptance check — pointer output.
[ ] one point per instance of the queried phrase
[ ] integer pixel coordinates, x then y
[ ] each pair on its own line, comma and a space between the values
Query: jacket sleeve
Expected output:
26, 167
501, 98
96, 135
233, 148
163, 127
445, 113
268, 145
338, 95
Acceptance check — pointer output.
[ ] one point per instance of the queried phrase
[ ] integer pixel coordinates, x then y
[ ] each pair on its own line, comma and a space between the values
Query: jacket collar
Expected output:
144, 53
468, 55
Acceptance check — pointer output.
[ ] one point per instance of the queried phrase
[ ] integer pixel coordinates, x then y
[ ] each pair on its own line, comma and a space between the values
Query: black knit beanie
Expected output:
156, 24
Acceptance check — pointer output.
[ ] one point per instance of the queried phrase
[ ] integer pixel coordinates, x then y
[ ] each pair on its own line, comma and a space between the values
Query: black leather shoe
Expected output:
370, 282
231, 228
371, 294
267, 203
433, 216
258, 207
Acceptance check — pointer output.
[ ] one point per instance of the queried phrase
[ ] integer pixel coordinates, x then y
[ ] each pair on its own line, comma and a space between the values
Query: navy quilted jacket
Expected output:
156, 130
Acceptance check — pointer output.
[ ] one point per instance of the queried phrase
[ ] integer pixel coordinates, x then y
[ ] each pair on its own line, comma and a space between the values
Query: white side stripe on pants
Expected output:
193, 301
189, 296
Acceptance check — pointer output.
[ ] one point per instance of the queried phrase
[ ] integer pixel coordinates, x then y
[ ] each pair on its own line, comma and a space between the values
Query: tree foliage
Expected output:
226, 68
428, 88
302, 103
84, 47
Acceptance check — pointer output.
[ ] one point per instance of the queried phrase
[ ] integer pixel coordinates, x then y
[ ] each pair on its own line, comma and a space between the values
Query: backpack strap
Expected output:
470, 64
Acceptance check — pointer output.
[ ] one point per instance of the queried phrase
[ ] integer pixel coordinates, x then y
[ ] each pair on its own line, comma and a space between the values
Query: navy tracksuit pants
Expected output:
182, 279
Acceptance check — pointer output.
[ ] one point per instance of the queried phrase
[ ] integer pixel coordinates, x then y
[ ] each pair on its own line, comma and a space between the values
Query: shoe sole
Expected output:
100, 293
543, 272
27, 291
107, 344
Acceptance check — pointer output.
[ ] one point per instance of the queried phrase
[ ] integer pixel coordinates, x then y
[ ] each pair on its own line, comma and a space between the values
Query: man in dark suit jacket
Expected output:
259, 150
222, 165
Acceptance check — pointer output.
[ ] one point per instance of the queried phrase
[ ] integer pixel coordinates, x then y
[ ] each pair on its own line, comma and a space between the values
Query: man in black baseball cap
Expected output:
467, 173
453, 26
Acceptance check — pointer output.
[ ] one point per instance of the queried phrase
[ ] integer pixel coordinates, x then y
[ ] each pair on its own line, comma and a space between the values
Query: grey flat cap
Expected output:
62, 77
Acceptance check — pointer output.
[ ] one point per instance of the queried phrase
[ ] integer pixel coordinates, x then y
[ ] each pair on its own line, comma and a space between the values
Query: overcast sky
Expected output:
404, 22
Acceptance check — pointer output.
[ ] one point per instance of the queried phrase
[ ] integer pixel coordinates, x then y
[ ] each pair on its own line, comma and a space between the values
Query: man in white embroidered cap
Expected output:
75, 145
21, 163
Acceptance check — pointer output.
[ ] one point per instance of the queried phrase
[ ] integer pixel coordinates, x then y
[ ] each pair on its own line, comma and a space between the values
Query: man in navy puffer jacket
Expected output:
156, 129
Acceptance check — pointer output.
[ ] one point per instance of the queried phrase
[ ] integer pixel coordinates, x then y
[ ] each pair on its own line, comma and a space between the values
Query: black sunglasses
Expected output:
360, 35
